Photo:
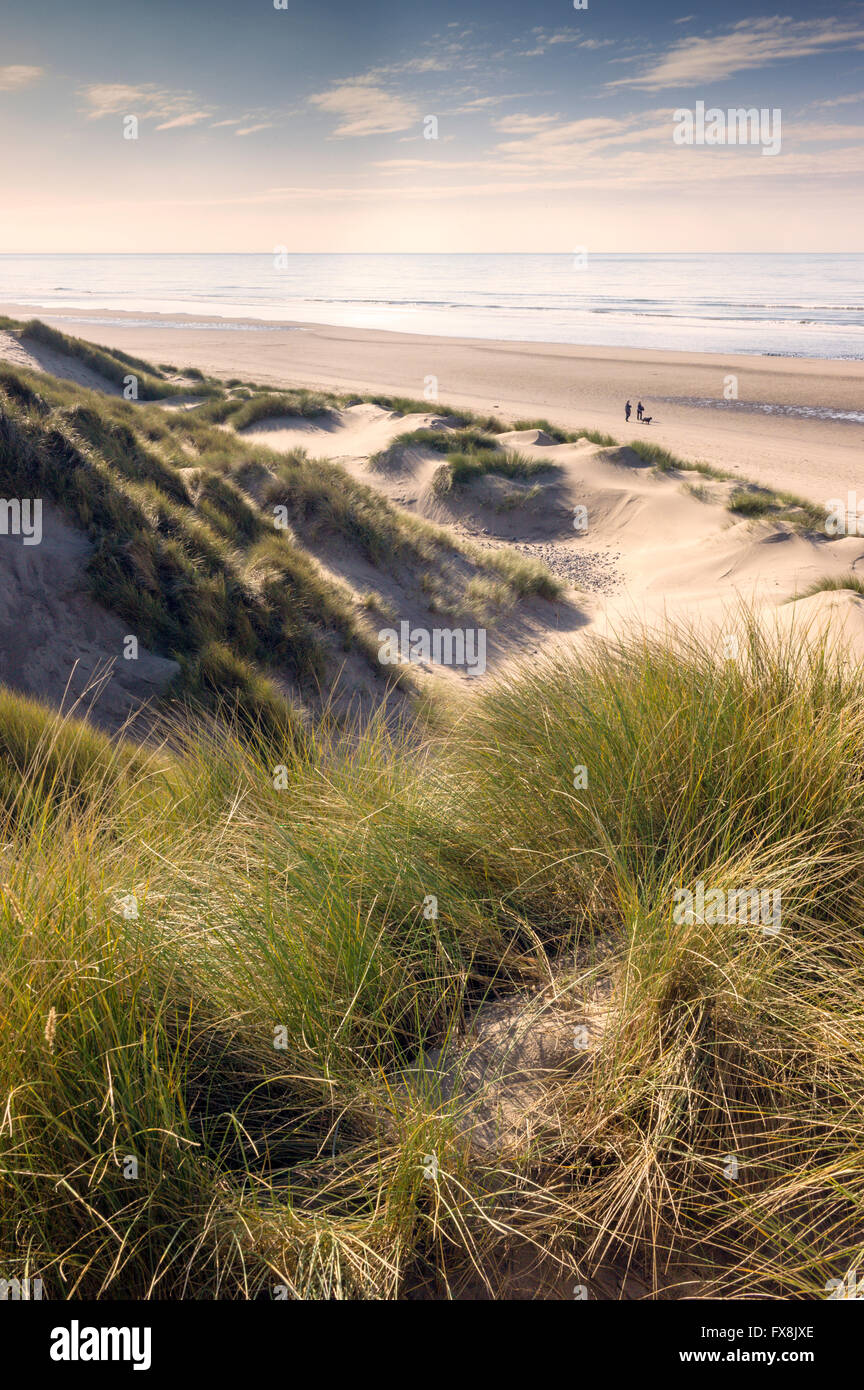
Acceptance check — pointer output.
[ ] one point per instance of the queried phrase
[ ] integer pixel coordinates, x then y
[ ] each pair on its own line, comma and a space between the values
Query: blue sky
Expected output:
306, 126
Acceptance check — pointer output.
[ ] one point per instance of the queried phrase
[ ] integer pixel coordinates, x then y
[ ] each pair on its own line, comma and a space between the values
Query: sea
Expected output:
787, 304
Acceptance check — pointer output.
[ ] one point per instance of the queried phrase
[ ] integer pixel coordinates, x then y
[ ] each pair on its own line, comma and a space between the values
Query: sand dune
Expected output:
632, 545
38, 357
658, 548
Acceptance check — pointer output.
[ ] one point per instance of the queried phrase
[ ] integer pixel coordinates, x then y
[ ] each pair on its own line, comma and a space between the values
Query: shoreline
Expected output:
180, 319
786, 447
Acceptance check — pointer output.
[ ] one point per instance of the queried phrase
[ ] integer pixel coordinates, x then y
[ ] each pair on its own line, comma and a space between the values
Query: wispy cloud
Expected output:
630, 151
172, 108
188, 118
750, 44
521, 124
365, 109
478, 104
848, 99
543, 39
550, 142
16, 76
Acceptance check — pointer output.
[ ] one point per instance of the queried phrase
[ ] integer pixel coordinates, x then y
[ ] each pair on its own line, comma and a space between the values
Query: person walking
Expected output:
639, 411
627, 410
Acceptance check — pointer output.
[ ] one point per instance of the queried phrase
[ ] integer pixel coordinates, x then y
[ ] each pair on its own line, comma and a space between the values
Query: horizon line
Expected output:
827, 251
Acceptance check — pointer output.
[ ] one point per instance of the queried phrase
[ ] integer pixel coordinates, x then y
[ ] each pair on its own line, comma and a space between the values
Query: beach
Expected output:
434, 630
781, 431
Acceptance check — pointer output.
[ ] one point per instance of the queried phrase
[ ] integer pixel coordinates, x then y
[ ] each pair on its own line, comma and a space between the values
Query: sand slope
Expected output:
38, 357
56, 643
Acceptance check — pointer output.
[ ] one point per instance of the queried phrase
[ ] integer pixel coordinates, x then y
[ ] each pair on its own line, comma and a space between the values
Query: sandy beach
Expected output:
787, 447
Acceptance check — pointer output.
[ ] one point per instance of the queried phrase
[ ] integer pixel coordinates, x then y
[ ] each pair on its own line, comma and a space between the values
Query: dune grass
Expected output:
751, 502
562, 436
463, 440
165, 922
202, 540
241, 413
829, 583
462, 469
322, 502
410, 405
112, 364
177, 552
222, 981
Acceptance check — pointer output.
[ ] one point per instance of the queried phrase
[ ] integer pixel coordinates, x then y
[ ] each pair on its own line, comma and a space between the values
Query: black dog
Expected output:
646, 419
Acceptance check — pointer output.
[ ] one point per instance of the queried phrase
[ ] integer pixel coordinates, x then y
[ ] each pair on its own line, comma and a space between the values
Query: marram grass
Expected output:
168, 915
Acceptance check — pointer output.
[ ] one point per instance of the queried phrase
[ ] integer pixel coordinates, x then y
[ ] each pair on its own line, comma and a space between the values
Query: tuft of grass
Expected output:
526, 576
56, 765
461, 469
518, 497
409, 405
259, 1035
467, 440
752, 502
305, 405
853, 582
562, 436
660, 458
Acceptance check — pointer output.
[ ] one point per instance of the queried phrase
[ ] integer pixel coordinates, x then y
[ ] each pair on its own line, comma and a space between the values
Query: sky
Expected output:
417, 127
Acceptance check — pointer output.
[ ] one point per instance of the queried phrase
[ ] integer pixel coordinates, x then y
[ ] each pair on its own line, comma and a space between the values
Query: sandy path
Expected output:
573, 386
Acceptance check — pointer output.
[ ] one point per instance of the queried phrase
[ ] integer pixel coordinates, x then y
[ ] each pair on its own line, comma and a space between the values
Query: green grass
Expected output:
462, 469
751, 502
182, 554
746, 499
853, 582
322, 502
240, 414
562, 436
289, 905
464, 440
180, 512
155, 1144
50, 766
410, 405
111, 363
